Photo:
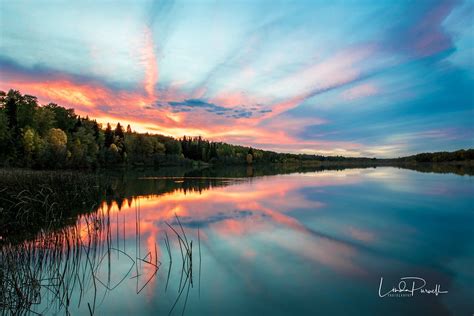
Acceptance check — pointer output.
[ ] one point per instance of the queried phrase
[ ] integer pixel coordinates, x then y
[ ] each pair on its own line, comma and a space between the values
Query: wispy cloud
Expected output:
150, 63
360, 91
299, 77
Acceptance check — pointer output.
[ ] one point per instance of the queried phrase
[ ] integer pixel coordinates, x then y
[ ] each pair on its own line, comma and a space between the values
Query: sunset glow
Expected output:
285, 77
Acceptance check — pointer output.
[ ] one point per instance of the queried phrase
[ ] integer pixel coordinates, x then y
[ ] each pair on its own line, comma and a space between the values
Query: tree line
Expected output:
441, 156
53, 137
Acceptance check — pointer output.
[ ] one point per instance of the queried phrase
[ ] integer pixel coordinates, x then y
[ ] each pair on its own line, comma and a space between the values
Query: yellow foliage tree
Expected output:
57, 139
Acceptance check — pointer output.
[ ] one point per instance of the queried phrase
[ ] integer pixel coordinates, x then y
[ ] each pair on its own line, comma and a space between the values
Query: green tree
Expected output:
29, 140
65, 119
32, 146
27, 107
159, 148
119, 138
10, 106
84, 149
139, 148
173, 147
119, 132
109, 136
44, 120
213, 151
57, 140
5, 138
12, 99
112, 155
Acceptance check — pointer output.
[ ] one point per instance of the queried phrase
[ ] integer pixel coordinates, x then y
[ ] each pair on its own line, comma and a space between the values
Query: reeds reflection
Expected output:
77, 267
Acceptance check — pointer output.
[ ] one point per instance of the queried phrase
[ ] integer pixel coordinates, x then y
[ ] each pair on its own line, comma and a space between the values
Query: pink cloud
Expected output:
150, 64
428, 34
265, 128
360, 91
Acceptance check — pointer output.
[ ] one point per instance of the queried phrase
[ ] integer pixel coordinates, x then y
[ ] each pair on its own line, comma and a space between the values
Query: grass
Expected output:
32, 201
186, 249
46, 257
45, 274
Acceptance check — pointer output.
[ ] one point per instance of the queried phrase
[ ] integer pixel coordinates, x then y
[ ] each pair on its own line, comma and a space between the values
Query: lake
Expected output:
332, 242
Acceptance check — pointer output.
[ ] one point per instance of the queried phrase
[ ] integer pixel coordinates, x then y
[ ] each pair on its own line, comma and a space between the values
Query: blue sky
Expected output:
355, 78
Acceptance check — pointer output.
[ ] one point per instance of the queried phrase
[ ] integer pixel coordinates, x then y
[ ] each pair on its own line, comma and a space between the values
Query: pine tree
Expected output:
213, 151
11, 109
119, 131
109, 136
96, 129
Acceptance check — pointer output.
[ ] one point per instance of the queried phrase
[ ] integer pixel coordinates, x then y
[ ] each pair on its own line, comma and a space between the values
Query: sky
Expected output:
352, 78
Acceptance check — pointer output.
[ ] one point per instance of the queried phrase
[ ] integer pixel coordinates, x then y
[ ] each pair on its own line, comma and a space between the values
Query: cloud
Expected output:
428, 35
215, 218
196, 103
150, 63
421, 32
360, 91
282, 78
190, 105
341, 69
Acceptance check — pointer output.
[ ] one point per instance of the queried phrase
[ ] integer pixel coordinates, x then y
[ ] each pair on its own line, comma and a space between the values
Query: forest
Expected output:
54, 137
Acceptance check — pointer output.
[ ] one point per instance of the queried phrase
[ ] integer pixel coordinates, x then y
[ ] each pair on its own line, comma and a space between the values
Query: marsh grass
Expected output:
46, 271
186, 251
47, 274
34, 201
57, 244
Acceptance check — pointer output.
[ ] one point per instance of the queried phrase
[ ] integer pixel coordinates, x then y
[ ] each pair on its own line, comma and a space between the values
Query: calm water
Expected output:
295, 244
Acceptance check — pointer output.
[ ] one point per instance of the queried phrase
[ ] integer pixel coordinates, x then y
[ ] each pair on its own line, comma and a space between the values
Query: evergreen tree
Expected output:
213, 151
119, 141
26, 109
11, 109
109, 136
96, 128
119, 132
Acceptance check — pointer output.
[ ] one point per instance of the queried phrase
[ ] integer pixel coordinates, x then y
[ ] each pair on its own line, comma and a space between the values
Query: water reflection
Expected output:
287, 244
78, 267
